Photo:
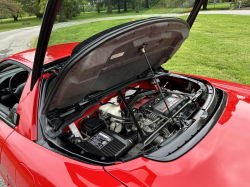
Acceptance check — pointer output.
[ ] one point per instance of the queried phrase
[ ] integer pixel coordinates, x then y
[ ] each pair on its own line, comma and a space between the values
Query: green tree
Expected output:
72, 8
244, 3
82, 4
171, 3
11, 8
137, 5
32, 7
109, 6
205, 4
69, 9
132, 2
119, 6
42, 5
125, 5
98, 5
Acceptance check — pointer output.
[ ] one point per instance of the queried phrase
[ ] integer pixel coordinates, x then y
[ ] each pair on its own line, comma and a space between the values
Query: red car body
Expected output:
220, 159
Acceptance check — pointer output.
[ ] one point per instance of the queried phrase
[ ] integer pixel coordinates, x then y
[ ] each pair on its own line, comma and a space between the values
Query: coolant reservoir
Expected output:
113, 107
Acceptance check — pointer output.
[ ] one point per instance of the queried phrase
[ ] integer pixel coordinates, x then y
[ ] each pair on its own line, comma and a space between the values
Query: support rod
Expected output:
143, 51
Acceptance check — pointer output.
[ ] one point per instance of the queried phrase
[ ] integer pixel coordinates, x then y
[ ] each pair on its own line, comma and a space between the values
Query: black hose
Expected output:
124, 122
88, 116
140, 96
118, 117
142, 133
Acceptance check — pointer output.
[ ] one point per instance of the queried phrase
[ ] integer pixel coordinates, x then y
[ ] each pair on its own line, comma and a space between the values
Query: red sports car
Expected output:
103, 112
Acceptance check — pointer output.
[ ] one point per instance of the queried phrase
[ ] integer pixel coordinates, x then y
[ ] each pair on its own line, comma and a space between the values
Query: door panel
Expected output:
9, 161
48, 168
24, 177
5, 131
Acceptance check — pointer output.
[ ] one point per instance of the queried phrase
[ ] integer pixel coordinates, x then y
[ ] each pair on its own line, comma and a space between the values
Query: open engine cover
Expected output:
112, 57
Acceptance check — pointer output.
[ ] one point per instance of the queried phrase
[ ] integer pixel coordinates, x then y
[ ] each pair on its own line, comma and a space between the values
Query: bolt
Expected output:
103, 158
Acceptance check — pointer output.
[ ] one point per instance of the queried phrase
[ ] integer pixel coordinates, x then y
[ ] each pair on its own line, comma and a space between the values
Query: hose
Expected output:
140, 96
123, 122
152, 122
88, 116
118, 117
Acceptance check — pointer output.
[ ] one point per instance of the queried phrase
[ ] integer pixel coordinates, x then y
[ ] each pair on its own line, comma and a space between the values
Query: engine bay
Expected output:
113, 132
135, 119
113, 104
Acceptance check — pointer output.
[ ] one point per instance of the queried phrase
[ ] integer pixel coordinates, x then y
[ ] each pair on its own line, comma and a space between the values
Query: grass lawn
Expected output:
81, 32
10, 24
130, 12
218, 46
218, 6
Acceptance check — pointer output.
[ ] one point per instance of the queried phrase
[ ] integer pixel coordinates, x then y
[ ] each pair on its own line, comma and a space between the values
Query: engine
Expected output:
111, 130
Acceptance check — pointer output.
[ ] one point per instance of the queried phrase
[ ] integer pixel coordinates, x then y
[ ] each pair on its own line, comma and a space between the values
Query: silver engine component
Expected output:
143, 124
149, 123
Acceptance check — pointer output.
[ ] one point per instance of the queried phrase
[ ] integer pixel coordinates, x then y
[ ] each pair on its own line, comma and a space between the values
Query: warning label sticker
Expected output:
100, 140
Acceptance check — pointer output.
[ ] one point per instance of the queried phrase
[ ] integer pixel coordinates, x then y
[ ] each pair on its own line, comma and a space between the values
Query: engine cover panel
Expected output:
157, 104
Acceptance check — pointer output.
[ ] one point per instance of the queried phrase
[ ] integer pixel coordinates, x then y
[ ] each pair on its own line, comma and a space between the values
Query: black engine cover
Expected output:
157, 104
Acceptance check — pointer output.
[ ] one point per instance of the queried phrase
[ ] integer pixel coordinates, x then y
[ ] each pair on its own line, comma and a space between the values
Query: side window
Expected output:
13, 78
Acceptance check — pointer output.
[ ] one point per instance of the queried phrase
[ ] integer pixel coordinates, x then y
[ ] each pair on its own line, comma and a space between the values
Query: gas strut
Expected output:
143, 51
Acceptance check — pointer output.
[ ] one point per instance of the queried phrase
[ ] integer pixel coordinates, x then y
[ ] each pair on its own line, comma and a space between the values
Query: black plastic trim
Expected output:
9, 61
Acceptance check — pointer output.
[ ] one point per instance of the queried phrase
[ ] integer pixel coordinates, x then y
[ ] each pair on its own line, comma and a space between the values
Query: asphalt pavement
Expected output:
18, 40
15, 41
